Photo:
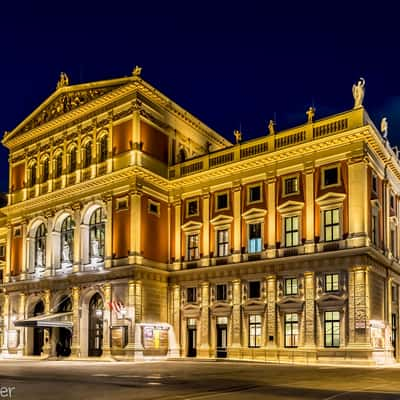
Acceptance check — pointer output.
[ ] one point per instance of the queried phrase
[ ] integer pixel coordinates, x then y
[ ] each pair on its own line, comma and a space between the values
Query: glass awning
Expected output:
54, 320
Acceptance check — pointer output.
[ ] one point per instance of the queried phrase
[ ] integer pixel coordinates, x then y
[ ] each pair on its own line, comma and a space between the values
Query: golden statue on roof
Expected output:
63, 80
137, 71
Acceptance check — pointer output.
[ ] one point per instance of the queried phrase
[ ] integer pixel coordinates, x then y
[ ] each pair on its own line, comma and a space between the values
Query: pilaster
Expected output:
135, 226
76, 343
237, 222
109, 233
21, 315
309, 197
107, 321
206, 225
6, 323
77, 238
204, 349
234, 351
309, 310
271, 196
271, 311
178, 238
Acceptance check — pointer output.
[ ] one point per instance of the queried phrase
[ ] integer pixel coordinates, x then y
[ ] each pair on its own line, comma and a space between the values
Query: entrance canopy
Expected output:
56, 320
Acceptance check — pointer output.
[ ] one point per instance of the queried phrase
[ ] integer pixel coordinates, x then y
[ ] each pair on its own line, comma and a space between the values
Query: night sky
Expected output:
233, 66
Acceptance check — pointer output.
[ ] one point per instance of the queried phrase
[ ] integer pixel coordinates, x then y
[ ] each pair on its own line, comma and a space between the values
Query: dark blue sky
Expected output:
230, 64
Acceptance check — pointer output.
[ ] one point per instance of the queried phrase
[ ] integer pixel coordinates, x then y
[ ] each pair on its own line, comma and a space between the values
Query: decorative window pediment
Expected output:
330, 199
191, 226
254, 214
221, 220
290, 206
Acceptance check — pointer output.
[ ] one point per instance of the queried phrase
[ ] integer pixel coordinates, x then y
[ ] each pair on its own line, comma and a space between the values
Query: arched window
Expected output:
64, 305
87, 155
103, 149
32, 175
58, 169
66, 240
96, 235
45, 175
72, 160
40, 246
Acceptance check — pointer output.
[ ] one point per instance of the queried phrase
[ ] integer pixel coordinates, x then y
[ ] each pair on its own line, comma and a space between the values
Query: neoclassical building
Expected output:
134, 230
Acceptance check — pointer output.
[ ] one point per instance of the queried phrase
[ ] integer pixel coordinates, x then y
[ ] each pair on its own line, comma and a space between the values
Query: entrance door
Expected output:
96, 326
38, 333
192, 333
222, 334
38, 341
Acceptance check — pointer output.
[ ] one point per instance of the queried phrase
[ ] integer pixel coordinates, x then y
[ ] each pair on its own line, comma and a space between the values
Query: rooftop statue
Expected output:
137, 71
63, 80
271, 127
238, 136
358, 93
310, 114
384, 127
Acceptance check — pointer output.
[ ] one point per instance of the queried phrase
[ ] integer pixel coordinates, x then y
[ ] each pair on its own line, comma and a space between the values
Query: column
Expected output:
76, 343
25, 251
204, 349
271, 216
135, 256
134, 348
21, 315
6, 323
110, 155
237, 223
107, 320
136, 145
271, 311
47, 345
175, 320
309, 197
358, 307
206, 228
309, 310
109, 232
77, 238
50, 253
7, 274
234, 351
357, 199
178, 238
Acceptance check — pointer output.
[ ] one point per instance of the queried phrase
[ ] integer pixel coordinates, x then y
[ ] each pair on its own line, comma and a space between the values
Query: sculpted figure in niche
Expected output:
39, 257
358, 93
66, 255
95, 248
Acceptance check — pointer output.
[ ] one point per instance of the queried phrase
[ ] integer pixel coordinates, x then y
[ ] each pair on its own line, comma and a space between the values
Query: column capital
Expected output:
270, 277
76, 206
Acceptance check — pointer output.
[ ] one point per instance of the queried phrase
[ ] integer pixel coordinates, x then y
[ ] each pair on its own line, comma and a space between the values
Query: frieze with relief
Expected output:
64, 103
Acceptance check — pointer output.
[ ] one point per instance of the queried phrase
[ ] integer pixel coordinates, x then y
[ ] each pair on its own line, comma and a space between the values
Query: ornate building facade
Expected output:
134, 230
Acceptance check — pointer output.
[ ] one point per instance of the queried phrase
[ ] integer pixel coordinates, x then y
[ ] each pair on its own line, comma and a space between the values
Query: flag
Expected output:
116, 306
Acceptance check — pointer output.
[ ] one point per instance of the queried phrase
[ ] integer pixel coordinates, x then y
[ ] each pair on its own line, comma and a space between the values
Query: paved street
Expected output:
188, 380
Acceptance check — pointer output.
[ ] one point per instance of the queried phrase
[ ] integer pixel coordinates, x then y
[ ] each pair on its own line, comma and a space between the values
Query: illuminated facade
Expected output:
134, 230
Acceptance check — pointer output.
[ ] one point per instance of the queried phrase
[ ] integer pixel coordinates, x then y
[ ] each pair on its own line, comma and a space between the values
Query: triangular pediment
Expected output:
254, 213
63, 101
191, 226
221, 220
290, 206
330, 198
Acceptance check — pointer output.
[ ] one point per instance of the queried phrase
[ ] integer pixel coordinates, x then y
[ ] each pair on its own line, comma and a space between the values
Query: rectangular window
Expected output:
2, 250
254, 290
191, 295
192, 208
332, 328
291, 185
292, 231
193, 247
222, 242
254, 330
375, 229
331, 176
331, 282
395, 290
122, 204
331, 225
222, 201
154, 208
374, 183
394, 333
291, 286
220, 292
392, 201
254, 194
291, 330
254, 244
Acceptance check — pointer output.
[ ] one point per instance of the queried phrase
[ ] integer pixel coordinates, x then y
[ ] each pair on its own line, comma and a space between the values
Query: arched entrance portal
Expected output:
38, 333
63, 347
95, 337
